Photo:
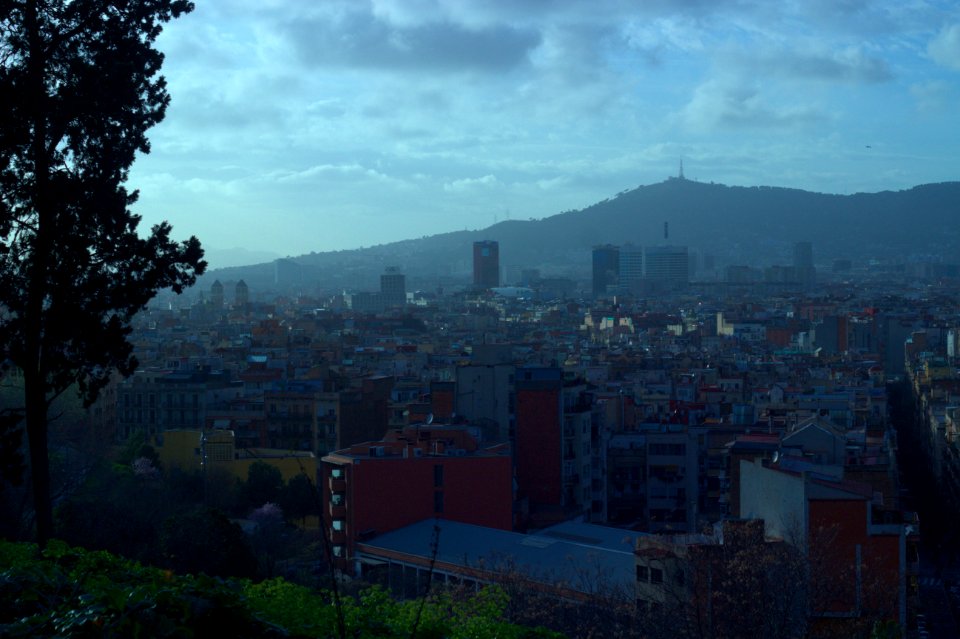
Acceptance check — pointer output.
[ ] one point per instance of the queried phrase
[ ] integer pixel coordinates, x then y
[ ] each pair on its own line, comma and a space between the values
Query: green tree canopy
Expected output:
264, 484
80, 89
204, 540
299, 498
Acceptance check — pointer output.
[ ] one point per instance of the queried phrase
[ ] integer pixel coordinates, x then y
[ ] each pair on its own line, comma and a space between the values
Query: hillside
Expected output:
743, 225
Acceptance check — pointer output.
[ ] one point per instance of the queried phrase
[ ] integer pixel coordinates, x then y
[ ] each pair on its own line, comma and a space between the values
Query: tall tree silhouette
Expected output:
80, 87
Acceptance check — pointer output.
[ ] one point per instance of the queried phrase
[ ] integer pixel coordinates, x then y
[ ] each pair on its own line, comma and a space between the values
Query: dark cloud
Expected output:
855, 67
743, 115
847, 66
362, 40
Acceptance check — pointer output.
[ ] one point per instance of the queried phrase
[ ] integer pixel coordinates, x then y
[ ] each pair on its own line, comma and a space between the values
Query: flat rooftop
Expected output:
583, 557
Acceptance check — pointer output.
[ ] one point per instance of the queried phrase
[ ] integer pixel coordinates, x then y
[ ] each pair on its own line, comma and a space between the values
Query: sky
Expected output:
299, 126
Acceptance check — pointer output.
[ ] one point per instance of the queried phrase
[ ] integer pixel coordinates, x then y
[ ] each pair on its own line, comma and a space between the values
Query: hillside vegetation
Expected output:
70, 592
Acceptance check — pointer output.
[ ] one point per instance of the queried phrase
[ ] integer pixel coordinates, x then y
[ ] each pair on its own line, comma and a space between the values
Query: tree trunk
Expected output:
35, 379
36, 410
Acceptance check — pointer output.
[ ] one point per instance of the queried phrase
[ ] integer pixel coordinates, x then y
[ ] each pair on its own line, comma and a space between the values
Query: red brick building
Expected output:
414, 473
539, 420
858, 554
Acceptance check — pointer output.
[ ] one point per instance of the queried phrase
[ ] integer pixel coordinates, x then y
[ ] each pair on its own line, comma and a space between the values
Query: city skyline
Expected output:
298, 128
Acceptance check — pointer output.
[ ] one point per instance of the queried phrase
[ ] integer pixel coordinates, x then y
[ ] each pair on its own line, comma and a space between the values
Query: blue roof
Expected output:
583, 557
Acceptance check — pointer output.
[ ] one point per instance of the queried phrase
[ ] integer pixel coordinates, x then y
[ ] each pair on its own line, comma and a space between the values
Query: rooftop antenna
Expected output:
681, 170
666, 231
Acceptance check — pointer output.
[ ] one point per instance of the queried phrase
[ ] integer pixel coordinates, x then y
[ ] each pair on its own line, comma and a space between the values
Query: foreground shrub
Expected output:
70, 592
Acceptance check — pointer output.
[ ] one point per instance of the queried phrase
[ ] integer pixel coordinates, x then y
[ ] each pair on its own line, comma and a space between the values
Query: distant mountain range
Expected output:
756, 226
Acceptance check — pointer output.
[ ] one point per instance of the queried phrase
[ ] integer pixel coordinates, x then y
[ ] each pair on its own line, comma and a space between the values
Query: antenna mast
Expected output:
681, 170
666, 231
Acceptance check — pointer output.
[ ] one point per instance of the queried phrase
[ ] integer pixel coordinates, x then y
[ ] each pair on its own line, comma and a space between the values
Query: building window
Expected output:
681, 578
438, 476
338, 550
656, 576
438, 501
643, 574
336, 473
336, 499
338, 525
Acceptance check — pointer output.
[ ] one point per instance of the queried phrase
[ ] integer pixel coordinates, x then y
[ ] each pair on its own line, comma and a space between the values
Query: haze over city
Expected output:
299, 127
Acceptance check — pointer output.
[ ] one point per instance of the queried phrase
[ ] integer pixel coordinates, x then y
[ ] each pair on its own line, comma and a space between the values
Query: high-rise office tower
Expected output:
631, 267
606, 269
393, 287
486, 264
667, 265
803, 263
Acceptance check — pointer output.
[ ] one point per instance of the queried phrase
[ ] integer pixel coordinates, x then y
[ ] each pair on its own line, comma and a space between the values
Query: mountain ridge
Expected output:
752, 225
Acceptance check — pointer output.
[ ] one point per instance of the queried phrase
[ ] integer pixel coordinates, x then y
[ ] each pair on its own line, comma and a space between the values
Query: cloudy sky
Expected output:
301, 126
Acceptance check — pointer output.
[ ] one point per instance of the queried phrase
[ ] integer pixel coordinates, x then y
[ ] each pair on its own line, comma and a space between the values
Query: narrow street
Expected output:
935, 617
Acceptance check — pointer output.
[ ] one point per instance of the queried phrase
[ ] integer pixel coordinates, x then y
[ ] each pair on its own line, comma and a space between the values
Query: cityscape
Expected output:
634, 423
378, 318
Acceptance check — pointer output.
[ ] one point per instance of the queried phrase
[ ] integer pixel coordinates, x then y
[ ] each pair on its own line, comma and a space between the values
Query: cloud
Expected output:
471, 184
680, 33
335, 172
552, 183
415, 108
327, 108
845, 65
931, 96
734, 104
945, 47
362, 40
848, 65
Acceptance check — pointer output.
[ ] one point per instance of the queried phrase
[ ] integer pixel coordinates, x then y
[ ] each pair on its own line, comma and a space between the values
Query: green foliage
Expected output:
131, 447
298, 609
176, 519
74, 593
299, 498
264, 484
885, 630
204, 540
69, 592
113, 511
